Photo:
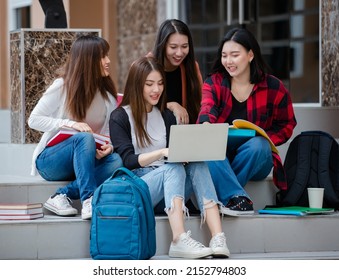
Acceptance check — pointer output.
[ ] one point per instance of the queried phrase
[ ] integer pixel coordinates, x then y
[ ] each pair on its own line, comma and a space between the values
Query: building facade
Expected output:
299, 38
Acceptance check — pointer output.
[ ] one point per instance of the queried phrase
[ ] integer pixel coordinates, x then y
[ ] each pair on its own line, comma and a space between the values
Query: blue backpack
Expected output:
123, 222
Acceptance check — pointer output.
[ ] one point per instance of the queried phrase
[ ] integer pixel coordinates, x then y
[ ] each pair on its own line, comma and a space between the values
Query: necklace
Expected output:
241, 92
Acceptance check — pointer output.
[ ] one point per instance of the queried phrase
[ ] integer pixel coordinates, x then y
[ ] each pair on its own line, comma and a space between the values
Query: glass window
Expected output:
23, 17
287, 31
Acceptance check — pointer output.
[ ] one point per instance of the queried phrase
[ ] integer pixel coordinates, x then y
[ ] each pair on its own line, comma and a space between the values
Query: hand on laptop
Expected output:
150, 157
165, 152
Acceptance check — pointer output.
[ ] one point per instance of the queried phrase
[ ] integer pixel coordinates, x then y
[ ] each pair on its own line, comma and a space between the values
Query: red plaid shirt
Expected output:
269, 106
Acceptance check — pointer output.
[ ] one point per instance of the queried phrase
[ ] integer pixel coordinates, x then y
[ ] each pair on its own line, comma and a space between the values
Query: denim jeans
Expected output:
173, 180
74, 160
251, 161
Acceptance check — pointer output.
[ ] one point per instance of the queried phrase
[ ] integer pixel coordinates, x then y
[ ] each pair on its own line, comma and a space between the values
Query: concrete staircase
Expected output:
249, 237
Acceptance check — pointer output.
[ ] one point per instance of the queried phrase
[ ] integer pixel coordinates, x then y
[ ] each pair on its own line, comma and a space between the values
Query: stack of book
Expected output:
28, 211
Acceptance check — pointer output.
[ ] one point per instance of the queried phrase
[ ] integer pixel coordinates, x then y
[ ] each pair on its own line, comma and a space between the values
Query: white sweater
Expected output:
49, 115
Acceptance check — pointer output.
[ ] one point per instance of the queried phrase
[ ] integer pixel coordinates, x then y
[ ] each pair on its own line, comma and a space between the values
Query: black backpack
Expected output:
312, 160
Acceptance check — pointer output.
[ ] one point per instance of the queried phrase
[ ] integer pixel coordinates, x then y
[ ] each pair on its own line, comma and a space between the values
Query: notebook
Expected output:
238, 136
295, 210
197, 142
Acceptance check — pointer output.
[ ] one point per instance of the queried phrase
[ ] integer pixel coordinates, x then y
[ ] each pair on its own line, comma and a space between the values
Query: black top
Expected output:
239, 110
121, 137
174, 86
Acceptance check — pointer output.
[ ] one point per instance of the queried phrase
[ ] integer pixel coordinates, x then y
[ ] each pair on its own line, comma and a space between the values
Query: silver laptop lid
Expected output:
197, 142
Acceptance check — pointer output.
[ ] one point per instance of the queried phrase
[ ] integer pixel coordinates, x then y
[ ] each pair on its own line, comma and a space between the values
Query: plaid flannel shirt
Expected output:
269, 106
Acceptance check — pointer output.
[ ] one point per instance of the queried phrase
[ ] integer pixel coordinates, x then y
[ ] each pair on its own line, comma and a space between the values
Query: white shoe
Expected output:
187, 247
86, 211
219, 246
60, 205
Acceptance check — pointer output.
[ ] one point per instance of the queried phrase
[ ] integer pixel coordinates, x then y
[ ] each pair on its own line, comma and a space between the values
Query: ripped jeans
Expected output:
173, 180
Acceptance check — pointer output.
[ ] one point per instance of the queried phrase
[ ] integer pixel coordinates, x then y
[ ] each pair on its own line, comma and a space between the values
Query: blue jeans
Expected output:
74, 160
251, 161
173, 180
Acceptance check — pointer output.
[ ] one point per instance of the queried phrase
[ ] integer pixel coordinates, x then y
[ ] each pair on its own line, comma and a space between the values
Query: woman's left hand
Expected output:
105, 150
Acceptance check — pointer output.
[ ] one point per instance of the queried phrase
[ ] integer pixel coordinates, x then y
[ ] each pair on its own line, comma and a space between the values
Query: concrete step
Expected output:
21, 186
254, 236
251, 237
32, 189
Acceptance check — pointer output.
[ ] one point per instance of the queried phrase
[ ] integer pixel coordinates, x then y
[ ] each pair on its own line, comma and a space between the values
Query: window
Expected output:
23, 17
287, 31
19, 14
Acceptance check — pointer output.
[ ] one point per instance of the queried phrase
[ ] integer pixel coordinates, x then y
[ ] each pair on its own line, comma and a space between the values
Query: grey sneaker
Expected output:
86, 211
60, 205
187, 247
219, 246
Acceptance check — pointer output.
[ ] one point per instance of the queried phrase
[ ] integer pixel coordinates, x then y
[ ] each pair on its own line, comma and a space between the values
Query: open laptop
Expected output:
197, 142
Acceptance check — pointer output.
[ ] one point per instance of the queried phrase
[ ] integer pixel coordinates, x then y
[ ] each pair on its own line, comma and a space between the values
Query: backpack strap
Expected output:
325, 148
299, 184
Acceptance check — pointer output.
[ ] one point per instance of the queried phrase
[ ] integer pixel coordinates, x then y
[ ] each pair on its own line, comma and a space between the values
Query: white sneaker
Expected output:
60, 205
219, 246
86, 211
187, 247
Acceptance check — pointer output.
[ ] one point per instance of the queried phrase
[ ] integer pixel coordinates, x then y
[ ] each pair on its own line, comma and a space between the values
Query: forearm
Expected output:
148, 158
46, 123
171, 105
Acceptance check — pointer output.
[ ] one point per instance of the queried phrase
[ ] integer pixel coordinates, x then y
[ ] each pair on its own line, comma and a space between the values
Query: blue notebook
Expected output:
238, 136
295, 211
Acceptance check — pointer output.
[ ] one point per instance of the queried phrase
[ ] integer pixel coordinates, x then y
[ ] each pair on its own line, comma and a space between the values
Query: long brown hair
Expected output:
134, 95
193, 83
82, 74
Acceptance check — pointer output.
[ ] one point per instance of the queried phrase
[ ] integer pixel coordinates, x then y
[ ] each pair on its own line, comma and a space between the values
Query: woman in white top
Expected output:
139, 130
82, 98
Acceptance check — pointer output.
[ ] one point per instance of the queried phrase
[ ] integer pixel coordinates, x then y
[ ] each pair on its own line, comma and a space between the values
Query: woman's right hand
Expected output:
164, 152
150, 157
83, 127
179, 112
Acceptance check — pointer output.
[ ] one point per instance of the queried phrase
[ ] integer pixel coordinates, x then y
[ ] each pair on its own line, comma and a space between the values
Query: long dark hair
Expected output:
193, 83
258, 67
82, 74
134, 95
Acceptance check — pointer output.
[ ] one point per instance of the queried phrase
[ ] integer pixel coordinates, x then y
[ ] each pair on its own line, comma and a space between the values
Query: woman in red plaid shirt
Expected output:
239, 87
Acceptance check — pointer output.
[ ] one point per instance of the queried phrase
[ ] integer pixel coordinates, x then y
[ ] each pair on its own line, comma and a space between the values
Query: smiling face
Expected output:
177, 48
153, 88
105, 66
236, 59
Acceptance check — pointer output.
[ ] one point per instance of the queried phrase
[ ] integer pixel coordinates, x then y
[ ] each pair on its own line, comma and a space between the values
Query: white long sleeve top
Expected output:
49, 115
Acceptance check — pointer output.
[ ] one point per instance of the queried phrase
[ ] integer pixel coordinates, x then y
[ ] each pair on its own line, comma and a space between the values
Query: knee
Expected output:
85, 138
259, 146
115, 160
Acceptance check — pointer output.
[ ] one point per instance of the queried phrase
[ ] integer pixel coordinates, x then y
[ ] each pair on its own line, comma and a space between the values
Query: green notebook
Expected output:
295, 210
